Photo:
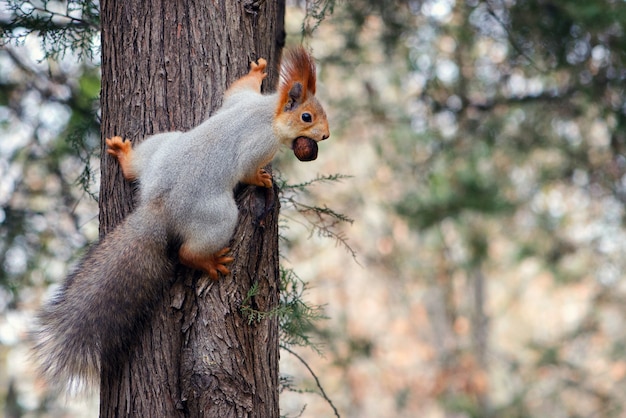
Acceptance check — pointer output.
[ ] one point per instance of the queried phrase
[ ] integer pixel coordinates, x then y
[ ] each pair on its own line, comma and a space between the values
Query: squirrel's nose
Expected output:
325, 136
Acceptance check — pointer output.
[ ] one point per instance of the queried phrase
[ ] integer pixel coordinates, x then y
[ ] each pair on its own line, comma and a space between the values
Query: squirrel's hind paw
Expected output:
122, 150
216, 263
213, 264
117, 146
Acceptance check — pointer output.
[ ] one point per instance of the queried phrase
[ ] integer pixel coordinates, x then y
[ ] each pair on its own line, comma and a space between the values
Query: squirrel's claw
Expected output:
216, 263
261, 178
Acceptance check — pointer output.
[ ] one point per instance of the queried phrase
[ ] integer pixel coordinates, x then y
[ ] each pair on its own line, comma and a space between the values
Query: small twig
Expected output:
63, 16
512, 40
317, 381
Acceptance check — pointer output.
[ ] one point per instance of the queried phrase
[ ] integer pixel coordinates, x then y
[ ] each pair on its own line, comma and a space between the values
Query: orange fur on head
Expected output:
297, 66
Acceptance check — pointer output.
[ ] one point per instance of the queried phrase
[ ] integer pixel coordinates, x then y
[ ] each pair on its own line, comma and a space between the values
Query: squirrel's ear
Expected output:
295, 96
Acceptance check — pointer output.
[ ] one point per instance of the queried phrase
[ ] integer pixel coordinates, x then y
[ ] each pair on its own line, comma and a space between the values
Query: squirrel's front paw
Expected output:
264, 178
261, 178
258, 67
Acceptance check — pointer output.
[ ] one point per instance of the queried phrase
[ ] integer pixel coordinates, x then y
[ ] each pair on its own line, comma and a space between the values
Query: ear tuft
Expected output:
297, 77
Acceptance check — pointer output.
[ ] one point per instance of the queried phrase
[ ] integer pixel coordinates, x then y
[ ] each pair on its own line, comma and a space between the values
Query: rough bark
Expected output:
165, 65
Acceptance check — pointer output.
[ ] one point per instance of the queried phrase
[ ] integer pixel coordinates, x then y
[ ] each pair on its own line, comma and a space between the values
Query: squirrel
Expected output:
186, 206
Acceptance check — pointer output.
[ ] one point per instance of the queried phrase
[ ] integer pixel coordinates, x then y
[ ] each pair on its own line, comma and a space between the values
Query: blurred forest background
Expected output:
483, 272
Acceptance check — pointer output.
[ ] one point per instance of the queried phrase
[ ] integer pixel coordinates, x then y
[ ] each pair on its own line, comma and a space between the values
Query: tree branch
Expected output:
317, 381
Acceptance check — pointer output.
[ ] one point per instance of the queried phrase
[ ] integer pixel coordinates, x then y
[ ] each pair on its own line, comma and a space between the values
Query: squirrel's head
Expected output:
298, 113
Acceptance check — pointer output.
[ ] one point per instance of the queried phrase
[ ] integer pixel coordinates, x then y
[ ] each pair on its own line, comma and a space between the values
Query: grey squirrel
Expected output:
187, 206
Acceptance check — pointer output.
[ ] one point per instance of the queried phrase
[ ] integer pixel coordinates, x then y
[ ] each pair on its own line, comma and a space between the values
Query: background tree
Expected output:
493, 204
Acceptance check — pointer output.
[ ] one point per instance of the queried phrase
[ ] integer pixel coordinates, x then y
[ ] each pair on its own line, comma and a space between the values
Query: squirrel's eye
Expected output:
306, 117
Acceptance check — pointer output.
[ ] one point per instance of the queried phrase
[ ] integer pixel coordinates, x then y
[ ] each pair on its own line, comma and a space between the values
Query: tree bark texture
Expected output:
165, 66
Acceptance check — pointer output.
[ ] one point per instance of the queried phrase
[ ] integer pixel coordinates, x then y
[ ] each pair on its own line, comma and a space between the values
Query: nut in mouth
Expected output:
304, 148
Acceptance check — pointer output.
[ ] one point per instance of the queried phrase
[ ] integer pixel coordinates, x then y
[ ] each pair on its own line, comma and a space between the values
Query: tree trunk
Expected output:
165, 66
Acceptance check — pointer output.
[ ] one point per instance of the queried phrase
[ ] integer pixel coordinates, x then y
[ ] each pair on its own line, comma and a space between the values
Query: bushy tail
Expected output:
102, 306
